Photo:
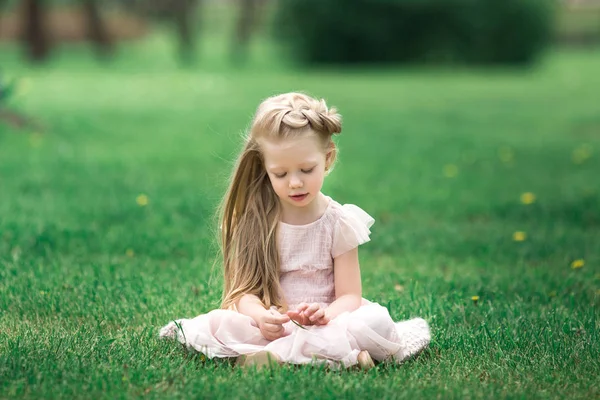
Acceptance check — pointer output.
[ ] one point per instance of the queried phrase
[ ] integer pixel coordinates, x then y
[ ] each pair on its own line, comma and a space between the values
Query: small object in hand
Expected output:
297, 323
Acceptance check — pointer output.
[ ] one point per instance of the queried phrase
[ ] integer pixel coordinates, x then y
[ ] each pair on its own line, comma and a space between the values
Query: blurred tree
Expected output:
35, 35
98, 33
394, 31
182, 14
246, 23
185, 22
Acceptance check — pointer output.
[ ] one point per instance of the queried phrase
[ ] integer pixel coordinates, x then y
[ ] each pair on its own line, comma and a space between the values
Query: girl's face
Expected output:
296, 168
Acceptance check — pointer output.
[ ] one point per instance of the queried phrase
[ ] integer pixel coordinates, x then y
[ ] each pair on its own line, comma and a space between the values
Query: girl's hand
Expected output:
309, 314
271, 324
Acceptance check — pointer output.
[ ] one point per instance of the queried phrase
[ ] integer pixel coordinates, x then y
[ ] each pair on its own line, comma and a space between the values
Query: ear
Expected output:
330, 156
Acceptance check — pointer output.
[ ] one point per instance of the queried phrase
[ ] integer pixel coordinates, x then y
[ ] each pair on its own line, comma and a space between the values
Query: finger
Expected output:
270, 336
272, 328
322, 321
301, 307
277, 319
320, 313
301, 319
280, 333
311, 309
295, 315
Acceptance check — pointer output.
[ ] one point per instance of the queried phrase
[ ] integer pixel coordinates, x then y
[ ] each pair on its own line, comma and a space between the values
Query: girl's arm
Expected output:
251, 306
348, 293
348, 287
269, 322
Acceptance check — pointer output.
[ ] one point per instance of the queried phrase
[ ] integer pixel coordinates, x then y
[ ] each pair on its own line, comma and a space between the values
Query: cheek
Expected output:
317, 179
277, 184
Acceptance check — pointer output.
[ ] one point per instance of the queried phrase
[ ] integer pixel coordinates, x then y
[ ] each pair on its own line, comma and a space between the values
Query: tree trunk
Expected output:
246, 25
97, 31
35, 35
184, 18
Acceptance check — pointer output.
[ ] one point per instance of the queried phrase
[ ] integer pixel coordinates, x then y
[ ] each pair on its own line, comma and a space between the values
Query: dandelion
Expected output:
450, 170
528, 198
142, 200
597, 292
16, 253
581, 154
475, 299
552, 293
35, 139
506, 154
129, 253
23, 86
519, 236
576, 264
398, 288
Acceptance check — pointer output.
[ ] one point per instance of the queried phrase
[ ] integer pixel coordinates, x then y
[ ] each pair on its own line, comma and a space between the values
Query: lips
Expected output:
299, 197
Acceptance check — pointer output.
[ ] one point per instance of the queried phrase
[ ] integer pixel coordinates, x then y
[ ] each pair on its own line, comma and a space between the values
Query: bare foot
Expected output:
259, 360
168, 331
364, 360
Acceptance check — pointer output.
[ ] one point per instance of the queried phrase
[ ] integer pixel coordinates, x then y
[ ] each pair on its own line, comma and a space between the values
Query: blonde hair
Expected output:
250, 211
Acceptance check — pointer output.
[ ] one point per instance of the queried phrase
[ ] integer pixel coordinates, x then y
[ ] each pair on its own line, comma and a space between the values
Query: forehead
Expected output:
291, 152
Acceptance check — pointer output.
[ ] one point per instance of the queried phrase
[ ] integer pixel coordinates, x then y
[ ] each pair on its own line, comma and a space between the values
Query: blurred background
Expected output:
262, 34
471, 134
453, 109
331, 31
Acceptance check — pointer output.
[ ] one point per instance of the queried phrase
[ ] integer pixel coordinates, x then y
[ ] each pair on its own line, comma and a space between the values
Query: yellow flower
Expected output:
475, 299
519, 236
129, 253
450, 170
506, 154
399, 288
581, 154
597, 292
23, 86
16, 253
142, 200
528, 198
577, 264
552, 293
35, 139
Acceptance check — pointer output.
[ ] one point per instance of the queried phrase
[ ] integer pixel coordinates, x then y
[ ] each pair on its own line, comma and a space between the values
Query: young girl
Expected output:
292, 279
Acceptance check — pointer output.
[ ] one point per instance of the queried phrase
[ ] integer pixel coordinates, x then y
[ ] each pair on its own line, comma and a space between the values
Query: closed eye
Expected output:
308, 171
280, 175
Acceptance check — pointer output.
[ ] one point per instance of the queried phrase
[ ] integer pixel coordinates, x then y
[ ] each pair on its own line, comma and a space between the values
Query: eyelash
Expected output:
308, 171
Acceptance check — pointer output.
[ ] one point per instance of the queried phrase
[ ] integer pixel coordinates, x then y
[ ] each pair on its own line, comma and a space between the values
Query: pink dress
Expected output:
307, 253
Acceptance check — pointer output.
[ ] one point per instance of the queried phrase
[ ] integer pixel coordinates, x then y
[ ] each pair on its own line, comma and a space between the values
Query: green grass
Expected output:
87, 276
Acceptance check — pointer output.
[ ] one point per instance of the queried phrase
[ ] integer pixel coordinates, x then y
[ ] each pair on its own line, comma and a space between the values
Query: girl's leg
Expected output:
258, 360
375, 331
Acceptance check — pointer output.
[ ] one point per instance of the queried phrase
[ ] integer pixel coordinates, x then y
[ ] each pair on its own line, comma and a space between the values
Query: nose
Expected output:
295, 182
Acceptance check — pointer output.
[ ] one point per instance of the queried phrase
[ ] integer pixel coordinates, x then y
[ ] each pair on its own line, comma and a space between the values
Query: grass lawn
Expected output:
107, 228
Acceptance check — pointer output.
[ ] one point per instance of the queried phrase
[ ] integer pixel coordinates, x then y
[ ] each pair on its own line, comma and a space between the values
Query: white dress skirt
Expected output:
307, 255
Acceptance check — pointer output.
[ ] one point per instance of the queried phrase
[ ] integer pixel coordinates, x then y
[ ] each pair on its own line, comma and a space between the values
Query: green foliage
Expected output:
465, 31
90, 269
7, 90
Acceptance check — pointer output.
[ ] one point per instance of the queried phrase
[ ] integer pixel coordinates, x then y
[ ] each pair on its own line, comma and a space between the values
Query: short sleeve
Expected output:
351, 229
